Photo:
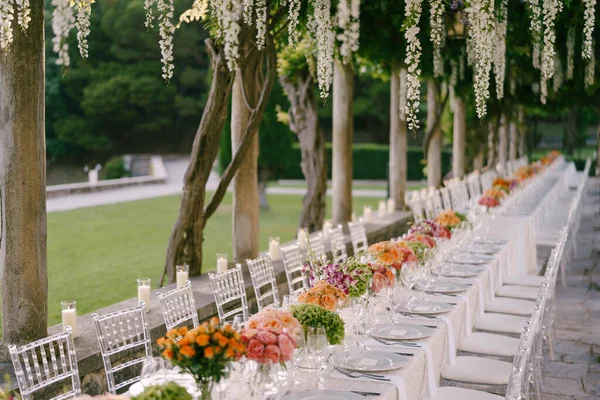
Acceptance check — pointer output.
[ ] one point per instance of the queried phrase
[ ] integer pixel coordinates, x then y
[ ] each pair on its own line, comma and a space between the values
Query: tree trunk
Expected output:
343, 96
458, 143
23, 184
571, 131
503, 142
185, 244
398, 137
598, 152
492, 136
522, 134
434, 148
478, 161
512, 141
304, 122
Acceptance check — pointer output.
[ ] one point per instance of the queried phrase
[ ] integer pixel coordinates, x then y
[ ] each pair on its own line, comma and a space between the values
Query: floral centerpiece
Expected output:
419, 249
523, 173
325, 295
488, 201
382, 278
351, 276
450, 219
430, 228
425, 239
204, 352
310, 315
390, 254
495, 193
270, 336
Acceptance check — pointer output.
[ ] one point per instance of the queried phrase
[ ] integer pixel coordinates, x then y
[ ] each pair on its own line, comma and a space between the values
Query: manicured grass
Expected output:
354, 187
96, 254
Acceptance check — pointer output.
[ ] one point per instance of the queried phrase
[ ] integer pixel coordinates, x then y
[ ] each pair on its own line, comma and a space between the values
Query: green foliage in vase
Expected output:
310, 315
170, 391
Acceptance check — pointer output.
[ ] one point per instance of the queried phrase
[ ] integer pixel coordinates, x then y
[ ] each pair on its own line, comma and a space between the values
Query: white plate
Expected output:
427, 308
372, 361
399, 331
458, 272
471, 259
322, 395
483, 250
445, 287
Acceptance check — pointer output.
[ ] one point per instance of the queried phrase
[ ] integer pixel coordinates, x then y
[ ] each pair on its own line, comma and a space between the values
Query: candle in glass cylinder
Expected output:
144, 289
221, 263
353, 218
391, 206
302, 239
326, 227
367, 212
274, 250
382, 209
182, 275
69, 316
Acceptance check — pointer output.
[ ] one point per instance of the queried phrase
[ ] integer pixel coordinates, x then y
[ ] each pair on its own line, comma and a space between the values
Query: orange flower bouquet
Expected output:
390, 254
495, 193
450, 219
325, 295
524, 173
204, 352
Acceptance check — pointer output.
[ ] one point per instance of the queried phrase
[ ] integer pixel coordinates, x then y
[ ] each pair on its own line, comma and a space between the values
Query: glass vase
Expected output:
264, 384
205, 388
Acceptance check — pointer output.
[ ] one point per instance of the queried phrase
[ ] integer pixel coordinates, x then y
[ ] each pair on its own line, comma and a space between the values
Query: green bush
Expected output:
115, 168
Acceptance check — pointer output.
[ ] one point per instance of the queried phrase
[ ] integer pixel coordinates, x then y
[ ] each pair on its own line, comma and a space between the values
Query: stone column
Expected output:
512, 141
398, 136
23, 184
343, 96
434, 150
458, 141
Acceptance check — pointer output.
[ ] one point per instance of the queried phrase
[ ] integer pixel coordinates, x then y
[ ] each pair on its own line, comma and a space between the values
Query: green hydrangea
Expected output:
310, 315
170, 391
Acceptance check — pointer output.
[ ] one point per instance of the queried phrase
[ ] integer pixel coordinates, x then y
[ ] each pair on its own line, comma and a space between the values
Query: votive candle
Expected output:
222, 263
382, 211
274, 249
144, 290
302, 239
69, 316
182, 275
367, 213
391, 206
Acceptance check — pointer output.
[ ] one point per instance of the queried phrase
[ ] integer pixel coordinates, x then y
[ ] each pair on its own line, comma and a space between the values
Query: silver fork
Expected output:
356, 374
393, 342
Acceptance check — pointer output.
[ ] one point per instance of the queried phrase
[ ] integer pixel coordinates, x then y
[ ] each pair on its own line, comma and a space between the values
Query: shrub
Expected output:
115, 168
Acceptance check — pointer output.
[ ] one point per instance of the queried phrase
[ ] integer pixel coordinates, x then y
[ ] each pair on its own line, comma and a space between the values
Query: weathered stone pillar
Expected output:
458, 140
341, 174
434, 150
512, 141
245, 225
398, 137
23, 184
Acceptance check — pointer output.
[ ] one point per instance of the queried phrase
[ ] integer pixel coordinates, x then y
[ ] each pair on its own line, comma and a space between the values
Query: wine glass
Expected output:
408, 275
316, 346
154, 371
364, 323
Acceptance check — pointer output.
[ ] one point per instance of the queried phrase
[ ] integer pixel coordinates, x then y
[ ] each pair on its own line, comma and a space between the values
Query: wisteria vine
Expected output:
412, 12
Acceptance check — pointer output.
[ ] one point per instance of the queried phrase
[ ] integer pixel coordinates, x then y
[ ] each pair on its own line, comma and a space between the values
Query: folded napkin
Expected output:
395, 380
468, 324
450, 339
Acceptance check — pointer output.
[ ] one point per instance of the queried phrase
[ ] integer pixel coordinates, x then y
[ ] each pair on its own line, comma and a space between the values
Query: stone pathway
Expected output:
575, 374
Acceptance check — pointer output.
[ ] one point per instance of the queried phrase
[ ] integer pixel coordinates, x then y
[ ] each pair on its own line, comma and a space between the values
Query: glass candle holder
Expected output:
69, 316
182, 275
221, 262
274, 249
302, 237
144, 287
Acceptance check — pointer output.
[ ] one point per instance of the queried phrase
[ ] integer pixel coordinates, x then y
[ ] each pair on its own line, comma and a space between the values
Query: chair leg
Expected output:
563, 275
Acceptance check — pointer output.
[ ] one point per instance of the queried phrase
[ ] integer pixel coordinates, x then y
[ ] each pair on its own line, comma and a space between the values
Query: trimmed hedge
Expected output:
370, 161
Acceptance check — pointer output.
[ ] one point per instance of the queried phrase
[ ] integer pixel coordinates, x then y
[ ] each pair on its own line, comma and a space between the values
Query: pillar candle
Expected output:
274, 250
367, 212
382, 209
391, 206
182, 275
69, 317
144, 290
302, 239
221, 263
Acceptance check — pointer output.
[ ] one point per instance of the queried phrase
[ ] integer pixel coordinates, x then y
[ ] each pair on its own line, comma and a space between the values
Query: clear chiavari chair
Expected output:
293, 264
416, 205
445, 192
436, 201
58, 360
358, 236
119, 332
317, 246
456, 195
338, 246
230, 294
264, 282
179, 307
474, 185
429, 209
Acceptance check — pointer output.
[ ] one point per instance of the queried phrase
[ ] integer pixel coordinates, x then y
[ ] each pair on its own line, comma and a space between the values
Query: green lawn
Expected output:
96, 254
354, 187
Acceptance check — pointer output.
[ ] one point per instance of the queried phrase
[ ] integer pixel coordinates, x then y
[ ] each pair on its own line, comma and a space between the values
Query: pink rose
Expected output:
253, 323
248, 334
272, 323
255, 350
272, 353
266, 337
287, 346
379, 282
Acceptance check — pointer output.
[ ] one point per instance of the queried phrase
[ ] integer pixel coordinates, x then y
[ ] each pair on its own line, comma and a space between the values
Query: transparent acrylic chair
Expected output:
338, 246
179, 307
358, 236
58, 360
293, 264
123, 331
264, 282
317, 246
436, 202
230, 294
446, 198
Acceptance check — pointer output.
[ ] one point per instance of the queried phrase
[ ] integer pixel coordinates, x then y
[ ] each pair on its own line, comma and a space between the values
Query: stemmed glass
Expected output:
155, 371
316, 346
408, 275
364, 321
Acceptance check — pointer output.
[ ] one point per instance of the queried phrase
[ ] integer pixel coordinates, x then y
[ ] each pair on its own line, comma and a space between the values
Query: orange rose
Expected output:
187, 351
184, 341
202, 340
209, 352
377, 248
168, 353
161, 342
183, 330
386, 259
303, 297
328, 302
214, 321
394, 253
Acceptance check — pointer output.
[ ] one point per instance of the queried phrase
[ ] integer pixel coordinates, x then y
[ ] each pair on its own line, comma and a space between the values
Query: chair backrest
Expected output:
179, 307
429, 210
230, 294
359, 237
436, 202
264, 282
121, 331
338, 246
56, 354
474, 185
446, 198
317, 246
293, 265
487, 179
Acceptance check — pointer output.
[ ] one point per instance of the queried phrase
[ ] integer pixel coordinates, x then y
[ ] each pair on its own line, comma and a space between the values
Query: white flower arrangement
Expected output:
166, 30
482, 31
570, 52
558, 77
325, 42
82, 23
348, 13
293, 20
247, 5
148, 7
588, 29
231, 13
261, 23
536, 31
500, 49
63, 21
437, 34
412, 12
550, 9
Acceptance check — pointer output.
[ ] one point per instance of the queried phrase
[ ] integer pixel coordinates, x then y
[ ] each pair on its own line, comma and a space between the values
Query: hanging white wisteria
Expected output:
63, 21
82, 23
470, 51
437, 34
23, 13
412, 12
402, 100
261, 23
536, 31
558, 77
6, 18
166, 30
216, 11
231, 13
590, 69
348, 13
500, 49
570, 52
482, 31
550, 9
148, 7
588, 29
247, 4
325, 41
293, 20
